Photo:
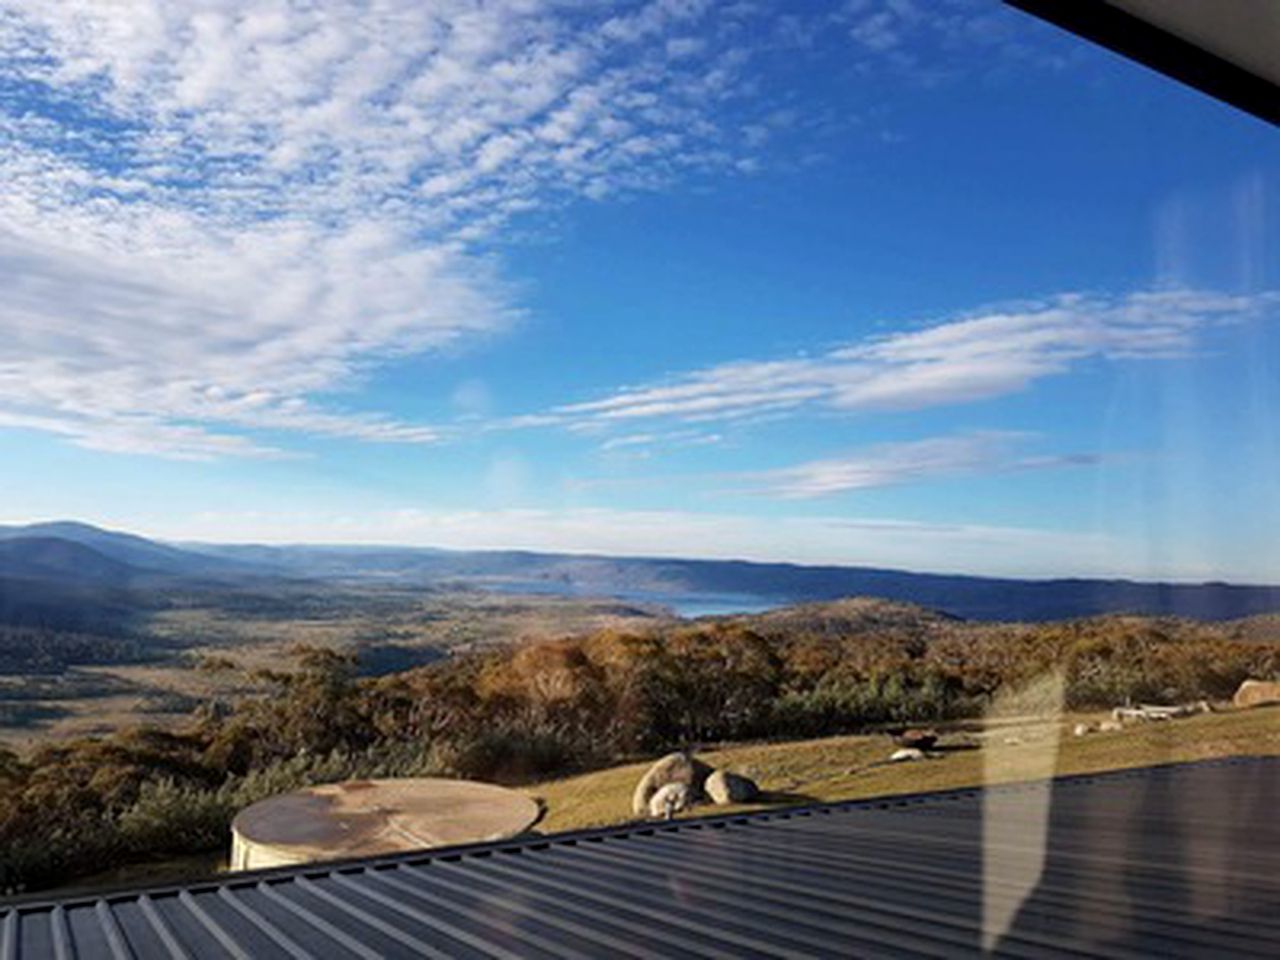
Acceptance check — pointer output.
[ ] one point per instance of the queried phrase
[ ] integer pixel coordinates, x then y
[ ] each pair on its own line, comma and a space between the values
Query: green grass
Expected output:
847, 768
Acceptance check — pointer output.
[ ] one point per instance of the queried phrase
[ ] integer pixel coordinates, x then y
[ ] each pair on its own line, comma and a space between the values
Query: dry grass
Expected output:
414, 619
847, 768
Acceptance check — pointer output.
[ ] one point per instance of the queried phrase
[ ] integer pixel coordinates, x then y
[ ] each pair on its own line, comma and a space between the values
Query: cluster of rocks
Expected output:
1085, 728
679, 780
1143, 713
1251, 693
913, 744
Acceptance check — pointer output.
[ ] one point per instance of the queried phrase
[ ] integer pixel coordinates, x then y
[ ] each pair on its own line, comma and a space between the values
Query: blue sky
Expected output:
926, 285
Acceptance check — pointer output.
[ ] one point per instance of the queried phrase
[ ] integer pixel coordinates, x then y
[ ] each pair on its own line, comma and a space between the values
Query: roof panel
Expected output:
1170, 861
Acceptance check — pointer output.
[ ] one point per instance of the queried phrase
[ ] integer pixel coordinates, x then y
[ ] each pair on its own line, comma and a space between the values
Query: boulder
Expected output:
1110, 726
1254, 693
906, 754
1084, 729
919, 739
724, 788
679, 767
670, 799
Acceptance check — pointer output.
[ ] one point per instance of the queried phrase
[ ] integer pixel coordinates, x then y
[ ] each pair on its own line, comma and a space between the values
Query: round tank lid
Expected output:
362, 817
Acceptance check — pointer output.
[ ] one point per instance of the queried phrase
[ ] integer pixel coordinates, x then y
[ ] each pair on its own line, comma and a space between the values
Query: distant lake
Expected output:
681, 604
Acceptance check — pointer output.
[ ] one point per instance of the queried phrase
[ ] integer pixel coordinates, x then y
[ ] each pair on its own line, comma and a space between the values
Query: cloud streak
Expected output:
914, 461
991, 353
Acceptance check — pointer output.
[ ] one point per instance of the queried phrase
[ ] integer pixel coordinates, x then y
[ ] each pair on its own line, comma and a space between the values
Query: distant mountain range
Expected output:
73, 576
46, 558
83, 564
141, 557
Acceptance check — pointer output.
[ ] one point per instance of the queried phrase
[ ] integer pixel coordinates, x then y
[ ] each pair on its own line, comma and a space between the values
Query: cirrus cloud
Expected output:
990, 353
911, 461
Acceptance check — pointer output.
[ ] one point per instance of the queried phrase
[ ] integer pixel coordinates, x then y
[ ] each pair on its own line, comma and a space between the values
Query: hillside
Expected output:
143, 556
969, 597
850, 616
52, 582
66, 606
60, 560
668, 580
851, 768
620, 690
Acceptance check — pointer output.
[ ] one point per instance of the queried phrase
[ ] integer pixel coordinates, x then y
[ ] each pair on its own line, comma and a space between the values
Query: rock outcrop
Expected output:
917, 739
670, 799
1254, 693
724, 788
679, 767
906, 755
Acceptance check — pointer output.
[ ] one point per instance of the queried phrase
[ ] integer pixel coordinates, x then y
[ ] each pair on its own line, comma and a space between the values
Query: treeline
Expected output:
551, 708
545, 708
74, 608
27, 651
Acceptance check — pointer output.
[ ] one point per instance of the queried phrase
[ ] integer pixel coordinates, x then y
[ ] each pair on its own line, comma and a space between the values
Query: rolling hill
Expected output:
142, 555
49, 552
56, 559
969, 597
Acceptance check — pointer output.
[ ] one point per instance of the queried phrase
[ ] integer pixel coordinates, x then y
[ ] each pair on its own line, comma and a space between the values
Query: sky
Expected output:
922, 285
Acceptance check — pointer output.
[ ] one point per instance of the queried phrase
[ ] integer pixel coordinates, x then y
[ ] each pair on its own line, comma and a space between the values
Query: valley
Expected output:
183, 648
150, 691
101, 630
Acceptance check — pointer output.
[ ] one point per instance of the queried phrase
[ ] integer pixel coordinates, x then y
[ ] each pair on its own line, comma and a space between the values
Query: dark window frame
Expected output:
1135, 38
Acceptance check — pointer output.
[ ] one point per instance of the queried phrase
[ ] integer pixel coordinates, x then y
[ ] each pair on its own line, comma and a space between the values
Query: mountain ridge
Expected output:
58, 558
967, 596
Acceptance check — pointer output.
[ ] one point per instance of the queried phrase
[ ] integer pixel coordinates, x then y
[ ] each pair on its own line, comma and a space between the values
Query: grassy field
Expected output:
847, 768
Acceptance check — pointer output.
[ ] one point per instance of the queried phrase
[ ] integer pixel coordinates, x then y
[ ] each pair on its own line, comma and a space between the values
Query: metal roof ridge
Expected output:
37, 903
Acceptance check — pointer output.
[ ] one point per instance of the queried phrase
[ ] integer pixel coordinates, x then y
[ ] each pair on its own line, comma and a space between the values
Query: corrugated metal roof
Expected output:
1167, 861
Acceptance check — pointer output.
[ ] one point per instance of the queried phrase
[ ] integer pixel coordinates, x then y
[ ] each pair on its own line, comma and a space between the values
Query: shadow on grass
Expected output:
954, 747
767, 799
783, 798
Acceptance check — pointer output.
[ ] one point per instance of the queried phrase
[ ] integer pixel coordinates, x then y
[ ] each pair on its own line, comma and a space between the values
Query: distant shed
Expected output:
1175, 861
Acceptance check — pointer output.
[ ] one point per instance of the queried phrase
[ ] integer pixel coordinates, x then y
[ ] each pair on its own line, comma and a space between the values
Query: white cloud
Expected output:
217, 212
680, 47
879, 31
941, 39
219, 215
649, 442
913, 461
142, 435
239, 338
992, 353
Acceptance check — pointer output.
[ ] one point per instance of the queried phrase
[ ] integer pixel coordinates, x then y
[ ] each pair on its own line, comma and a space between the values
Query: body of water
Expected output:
681, 604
